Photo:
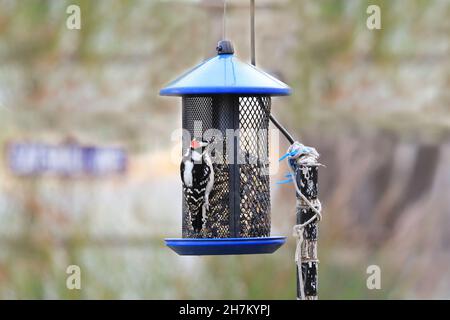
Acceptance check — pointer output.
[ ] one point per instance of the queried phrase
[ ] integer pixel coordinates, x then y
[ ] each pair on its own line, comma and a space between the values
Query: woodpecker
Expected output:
197, 175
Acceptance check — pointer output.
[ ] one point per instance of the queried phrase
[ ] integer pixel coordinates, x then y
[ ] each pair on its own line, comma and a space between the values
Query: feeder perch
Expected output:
226, 94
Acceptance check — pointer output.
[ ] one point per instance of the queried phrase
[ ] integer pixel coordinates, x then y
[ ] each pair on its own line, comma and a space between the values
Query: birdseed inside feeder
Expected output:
220, 96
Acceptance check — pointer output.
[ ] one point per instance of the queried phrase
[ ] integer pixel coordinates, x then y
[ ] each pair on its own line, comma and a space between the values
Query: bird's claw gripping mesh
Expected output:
240, 198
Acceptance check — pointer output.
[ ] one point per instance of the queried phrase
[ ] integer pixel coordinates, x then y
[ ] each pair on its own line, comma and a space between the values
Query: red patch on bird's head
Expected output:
195, 144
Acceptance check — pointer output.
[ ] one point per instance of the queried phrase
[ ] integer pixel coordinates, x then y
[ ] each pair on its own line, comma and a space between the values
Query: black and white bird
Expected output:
197, 174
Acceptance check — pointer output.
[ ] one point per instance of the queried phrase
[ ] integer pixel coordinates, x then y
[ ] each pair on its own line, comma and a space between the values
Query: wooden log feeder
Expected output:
306, 176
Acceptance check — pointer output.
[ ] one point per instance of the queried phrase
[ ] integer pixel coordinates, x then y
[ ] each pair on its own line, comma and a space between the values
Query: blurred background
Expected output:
376, 105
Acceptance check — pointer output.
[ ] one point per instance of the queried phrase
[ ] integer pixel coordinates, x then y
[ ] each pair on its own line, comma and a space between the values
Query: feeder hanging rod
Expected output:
277, 124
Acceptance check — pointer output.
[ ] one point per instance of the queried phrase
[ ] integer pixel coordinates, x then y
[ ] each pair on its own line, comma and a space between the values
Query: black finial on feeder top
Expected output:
225, 47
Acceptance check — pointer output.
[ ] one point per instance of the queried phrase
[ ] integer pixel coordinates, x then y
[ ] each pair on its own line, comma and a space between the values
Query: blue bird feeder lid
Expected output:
226, 74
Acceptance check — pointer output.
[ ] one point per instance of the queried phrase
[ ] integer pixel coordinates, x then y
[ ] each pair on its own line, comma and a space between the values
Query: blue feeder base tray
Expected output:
225, 246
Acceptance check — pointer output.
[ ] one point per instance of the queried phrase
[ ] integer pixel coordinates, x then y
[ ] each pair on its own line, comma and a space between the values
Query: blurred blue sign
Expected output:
67, 159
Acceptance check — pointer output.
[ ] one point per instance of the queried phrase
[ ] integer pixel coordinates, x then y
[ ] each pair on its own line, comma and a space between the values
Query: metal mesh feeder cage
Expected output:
227, 101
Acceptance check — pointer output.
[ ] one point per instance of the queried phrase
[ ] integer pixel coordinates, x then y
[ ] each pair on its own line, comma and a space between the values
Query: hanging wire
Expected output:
277, 124
224, 21
252, 32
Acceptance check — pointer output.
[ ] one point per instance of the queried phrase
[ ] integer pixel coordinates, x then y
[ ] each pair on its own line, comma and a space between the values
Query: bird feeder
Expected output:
231, 99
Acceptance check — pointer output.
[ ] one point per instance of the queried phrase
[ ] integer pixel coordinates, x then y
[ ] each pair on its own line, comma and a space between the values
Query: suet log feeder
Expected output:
230, 100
